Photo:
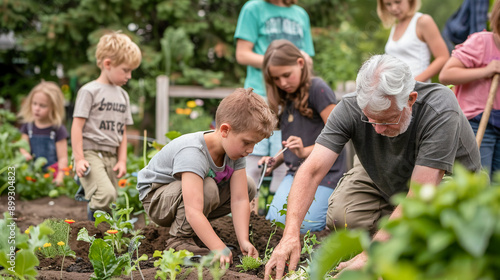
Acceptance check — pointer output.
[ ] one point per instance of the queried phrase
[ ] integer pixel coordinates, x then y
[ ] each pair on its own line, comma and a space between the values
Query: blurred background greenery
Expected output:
190, 40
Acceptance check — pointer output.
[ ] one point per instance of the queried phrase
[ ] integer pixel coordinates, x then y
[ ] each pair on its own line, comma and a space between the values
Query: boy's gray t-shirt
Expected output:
187, 153
107, 110
439, 134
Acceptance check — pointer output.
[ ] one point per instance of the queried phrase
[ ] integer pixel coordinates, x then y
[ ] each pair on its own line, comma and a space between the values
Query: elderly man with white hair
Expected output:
403, 131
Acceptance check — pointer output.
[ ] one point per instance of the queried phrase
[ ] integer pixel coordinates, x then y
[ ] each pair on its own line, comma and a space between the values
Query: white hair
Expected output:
381, 79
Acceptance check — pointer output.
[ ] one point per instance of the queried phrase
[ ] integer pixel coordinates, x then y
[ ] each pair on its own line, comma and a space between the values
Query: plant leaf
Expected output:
335, 248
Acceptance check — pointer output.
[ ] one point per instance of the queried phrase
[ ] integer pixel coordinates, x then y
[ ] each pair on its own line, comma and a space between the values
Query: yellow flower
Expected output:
39, 249
27, 231
46, 245
51, 169
60, 243
112, 231
191, 104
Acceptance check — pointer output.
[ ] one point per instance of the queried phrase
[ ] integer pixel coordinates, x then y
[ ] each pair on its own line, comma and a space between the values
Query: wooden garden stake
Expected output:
487, 110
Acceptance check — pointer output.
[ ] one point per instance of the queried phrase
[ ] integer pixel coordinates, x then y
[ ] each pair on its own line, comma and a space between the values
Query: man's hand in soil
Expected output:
355, 263
287, 250
248, 249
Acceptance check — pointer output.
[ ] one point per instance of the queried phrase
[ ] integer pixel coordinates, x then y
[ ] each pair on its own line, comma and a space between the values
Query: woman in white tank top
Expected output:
414, 37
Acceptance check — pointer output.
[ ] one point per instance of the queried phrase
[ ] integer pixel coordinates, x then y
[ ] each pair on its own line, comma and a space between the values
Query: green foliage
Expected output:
448, 232
119, 221
60, 234
249, 263
169, 262
17, 250
106, 264
337, 247
30, 180
102, 251
209, 261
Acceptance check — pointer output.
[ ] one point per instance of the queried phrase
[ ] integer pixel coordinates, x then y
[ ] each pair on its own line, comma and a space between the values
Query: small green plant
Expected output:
102, 251
17, 250
169, 262
249, 263
106, 264
102, 256
58, 240
210, 261
120, 225
134, 247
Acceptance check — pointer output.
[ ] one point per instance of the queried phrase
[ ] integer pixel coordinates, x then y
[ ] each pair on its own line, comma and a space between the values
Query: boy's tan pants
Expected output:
165, 206
356, 202
101, 183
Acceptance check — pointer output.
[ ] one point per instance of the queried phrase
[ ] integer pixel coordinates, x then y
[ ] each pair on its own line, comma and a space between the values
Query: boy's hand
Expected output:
59, 180
27, 156
121, 167
225, 257
248, 249
81, 166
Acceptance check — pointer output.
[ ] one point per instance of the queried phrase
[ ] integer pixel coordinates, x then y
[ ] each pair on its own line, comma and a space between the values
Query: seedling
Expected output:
20, 260
249, 263
170, 262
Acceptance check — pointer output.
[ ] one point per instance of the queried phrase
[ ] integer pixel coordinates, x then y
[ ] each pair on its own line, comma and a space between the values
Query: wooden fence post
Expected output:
162, 108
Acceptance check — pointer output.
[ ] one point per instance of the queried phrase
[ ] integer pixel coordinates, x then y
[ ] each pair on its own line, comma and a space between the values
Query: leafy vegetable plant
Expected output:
249, 263
170, 262
17, 250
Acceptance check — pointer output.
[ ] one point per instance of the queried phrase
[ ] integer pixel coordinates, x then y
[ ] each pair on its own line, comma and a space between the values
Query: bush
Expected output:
448, 232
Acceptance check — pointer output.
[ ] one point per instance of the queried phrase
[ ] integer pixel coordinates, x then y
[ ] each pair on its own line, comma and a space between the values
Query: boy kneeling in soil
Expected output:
201, 176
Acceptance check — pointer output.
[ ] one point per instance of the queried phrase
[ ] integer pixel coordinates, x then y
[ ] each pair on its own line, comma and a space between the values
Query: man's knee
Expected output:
340, 219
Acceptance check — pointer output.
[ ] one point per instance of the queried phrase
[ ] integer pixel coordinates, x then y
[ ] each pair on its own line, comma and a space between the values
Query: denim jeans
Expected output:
490, 147
315, 219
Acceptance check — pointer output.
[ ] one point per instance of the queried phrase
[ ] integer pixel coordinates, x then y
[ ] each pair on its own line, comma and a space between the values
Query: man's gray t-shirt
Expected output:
107, 110
187, 153
438, 134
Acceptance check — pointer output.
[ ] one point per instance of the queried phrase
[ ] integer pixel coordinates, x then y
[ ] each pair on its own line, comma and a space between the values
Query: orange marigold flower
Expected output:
112, 231
46, 175
66, 169
69, 221
122, 183
66, 173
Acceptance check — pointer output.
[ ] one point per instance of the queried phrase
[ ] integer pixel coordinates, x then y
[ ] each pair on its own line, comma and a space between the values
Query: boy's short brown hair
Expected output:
245, 111
119, 49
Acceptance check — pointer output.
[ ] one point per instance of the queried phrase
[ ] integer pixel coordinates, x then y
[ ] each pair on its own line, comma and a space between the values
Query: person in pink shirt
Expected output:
470, 68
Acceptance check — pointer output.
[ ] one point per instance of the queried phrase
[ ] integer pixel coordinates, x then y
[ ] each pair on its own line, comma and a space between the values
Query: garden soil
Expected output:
34, 212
